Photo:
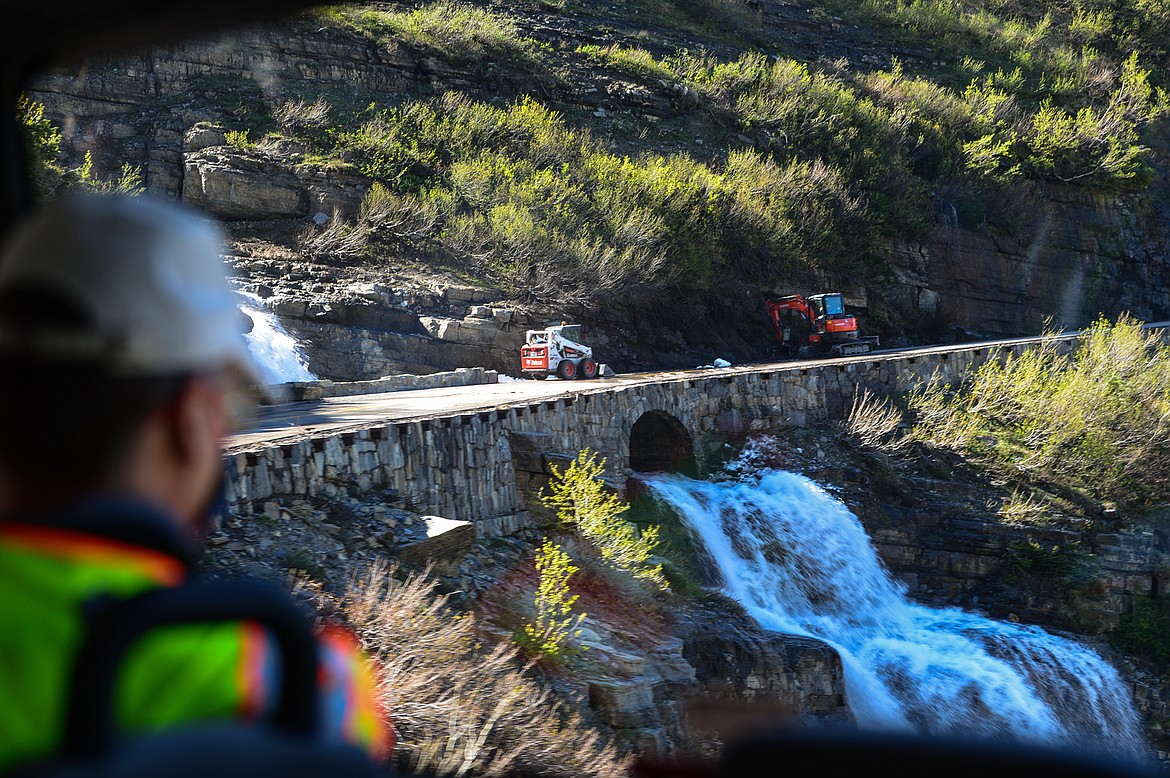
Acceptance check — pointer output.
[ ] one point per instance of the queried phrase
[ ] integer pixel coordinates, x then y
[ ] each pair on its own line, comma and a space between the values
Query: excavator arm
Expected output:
793, 302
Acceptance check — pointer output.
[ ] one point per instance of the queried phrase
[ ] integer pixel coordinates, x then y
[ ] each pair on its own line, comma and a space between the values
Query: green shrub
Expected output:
550, 634
1096, 420
1075, 108
297, 115
128, 182
456, 31
239, 139
638, 62
384, 219
873, 422
1024, 510
42, 145
581, 501
1098, 146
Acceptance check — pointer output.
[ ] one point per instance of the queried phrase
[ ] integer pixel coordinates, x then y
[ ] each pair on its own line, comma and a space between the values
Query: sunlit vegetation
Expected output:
1096, 420
840, 161
582, 502
554, 629
1062, 47
1090, 417
518, 196
1024, 510
898, 134
456, 31
811, 170
42, 146
873, 422
629, 60
460, 707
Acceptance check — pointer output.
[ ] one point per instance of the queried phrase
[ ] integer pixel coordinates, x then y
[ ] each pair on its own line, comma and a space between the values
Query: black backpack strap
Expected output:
91, 727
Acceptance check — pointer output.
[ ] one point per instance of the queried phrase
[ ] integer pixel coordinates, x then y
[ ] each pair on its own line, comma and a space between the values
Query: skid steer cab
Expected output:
557, 351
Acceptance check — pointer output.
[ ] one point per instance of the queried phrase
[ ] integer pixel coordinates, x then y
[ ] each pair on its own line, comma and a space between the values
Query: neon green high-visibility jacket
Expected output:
53, 574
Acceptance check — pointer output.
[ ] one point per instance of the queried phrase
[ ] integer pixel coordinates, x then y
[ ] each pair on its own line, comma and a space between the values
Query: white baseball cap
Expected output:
149, 277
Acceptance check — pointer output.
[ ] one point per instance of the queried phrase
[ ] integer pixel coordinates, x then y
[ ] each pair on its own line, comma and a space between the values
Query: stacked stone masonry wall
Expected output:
461, 466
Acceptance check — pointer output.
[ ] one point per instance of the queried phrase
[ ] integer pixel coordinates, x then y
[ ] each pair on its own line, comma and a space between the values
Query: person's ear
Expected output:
198, 418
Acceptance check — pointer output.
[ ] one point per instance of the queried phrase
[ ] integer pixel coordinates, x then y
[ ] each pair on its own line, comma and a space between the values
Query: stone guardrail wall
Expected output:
297, 391
461, 466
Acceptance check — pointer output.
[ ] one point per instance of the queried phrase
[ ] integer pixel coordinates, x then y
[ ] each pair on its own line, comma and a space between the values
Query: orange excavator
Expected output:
817, 325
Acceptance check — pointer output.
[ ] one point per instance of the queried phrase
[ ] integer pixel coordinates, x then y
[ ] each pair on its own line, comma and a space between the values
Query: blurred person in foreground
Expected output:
122, 369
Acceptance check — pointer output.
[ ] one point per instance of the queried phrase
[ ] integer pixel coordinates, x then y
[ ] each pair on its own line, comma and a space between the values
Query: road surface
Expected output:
294, 421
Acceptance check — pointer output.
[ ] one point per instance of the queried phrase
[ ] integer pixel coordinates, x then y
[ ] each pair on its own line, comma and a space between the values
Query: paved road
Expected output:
295, 421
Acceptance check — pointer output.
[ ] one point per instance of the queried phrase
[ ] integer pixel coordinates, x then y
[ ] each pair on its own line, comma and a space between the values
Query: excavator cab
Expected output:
827, 306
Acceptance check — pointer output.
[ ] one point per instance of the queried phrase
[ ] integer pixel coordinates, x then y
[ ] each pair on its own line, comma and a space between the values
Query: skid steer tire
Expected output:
588, 369
567, 369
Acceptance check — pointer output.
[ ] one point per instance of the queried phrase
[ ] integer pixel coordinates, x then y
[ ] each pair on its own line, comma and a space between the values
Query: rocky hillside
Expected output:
413, 185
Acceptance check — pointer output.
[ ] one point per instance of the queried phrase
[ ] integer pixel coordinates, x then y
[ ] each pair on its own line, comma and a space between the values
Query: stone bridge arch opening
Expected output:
659, 443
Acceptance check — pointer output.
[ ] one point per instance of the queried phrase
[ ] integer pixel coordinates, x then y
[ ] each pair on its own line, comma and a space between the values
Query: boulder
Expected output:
447, 541
202, 136
237, 186
473, 332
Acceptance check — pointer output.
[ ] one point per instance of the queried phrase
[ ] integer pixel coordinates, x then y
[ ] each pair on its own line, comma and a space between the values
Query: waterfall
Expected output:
800, 562
275, 352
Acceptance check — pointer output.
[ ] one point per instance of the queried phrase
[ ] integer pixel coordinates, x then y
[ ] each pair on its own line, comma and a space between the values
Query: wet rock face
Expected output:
1083, 254
738, 663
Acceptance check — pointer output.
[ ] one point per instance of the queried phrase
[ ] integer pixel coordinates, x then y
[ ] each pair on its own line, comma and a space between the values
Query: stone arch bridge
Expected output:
484, 465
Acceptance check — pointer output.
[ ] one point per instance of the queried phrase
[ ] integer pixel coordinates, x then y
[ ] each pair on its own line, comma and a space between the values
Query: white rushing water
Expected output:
276, 353
800, 562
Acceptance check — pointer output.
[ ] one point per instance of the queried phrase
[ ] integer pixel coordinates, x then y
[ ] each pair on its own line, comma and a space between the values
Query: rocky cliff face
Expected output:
167, 110
1086, 254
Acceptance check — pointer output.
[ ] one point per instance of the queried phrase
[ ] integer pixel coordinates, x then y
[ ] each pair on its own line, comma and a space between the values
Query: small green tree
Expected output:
43, 158
581, 500
555, 624
42, 145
